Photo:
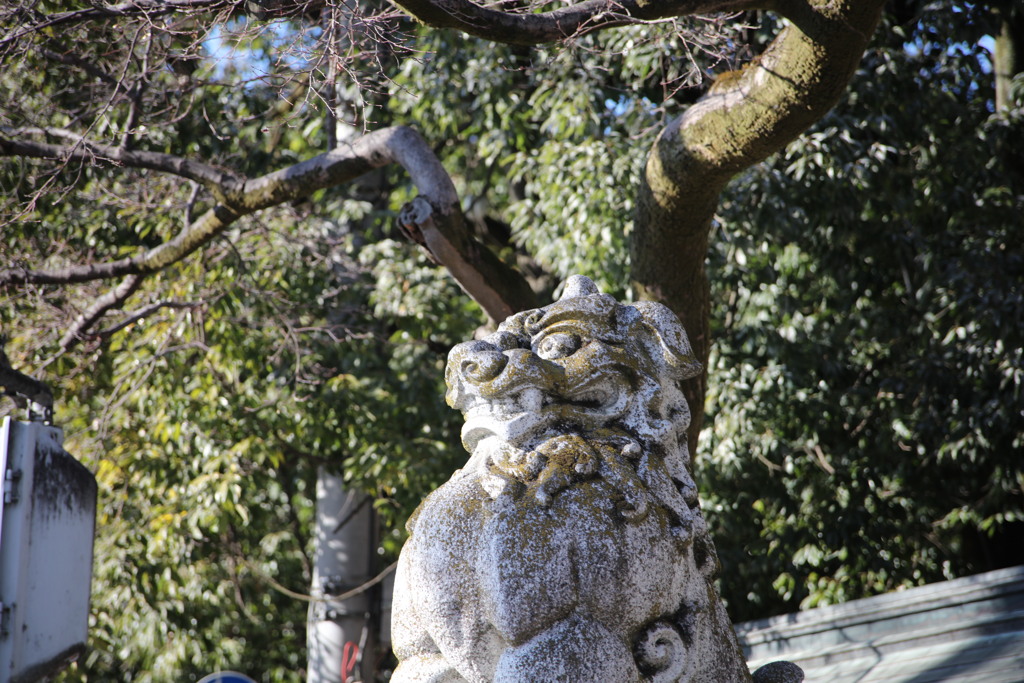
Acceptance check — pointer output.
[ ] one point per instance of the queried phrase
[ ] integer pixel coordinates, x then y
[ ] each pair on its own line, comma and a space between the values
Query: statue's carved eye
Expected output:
558, 346
506, 341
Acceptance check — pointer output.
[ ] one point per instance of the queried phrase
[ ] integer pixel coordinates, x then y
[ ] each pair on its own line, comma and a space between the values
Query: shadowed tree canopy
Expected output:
239, 239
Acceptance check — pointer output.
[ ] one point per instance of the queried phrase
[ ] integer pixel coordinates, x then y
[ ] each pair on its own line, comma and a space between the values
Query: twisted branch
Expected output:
557, 25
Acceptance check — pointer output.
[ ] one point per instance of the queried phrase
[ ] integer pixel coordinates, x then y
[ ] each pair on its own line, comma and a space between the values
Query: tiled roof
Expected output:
965, 630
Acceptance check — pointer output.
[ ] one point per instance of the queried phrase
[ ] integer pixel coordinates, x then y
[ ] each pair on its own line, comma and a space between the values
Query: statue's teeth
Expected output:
531, 400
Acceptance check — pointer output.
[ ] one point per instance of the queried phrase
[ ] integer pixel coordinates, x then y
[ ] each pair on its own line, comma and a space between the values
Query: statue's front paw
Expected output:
566, 459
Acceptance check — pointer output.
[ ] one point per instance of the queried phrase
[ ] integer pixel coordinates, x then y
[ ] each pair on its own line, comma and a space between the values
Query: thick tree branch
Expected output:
743, 119
498, 288
798, 79
1008, 60
556, 25
515, 28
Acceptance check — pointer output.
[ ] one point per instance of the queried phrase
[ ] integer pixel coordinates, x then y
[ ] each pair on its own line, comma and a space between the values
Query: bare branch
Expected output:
84, 65
219, 182
115, 298
147, 311
557, 25
208, 226
146, 8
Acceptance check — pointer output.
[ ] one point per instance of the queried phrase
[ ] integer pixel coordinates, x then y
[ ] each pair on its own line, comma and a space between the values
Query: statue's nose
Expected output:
483, 366
479, 370
478, 361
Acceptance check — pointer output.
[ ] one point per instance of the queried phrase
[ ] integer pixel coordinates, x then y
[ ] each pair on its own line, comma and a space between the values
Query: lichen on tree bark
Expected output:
798, 79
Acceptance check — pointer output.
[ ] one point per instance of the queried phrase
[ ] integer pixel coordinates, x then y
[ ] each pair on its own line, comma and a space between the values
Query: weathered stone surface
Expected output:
571, 547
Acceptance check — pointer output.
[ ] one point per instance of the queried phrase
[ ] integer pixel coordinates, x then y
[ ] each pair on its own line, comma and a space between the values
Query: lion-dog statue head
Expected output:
571, 547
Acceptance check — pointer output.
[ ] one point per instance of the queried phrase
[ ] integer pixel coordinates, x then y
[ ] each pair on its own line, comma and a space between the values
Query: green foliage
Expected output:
583, 228
865, 386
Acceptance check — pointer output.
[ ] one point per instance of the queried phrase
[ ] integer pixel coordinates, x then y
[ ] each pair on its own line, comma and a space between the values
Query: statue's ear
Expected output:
666, 326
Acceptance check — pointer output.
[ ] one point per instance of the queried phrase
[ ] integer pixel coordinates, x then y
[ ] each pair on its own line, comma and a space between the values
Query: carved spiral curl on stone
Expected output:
662, 650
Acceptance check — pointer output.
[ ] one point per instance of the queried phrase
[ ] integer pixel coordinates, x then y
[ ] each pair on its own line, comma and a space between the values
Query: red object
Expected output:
349, 659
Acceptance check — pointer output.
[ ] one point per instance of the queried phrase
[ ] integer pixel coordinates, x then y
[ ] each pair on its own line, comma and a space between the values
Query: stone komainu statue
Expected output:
571, 547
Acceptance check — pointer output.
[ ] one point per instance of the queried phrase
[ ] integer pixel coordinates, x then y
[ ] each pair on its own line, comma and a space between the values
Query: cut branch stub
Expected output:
500, 290
412, 215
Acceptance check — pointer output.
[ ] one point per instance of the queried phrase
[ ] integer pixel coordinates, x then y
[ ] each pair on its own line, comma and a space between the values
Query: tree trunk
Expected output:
745, 117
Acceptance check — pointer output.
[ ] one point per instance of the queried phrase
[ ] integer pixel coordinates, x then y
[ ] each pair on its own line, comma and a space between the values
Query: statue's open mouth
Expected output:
533, 412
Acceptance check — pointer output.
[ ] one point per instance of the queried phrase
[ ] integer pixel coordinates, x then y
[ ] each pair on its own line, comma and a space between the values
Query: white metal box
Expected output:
47, 522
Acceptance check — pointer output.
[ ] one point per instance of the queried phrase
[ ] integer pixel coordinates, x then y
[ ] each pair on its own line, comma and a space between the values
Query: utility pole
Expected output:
342, 633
